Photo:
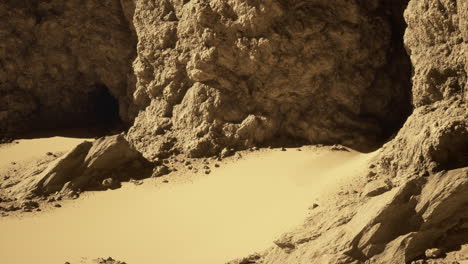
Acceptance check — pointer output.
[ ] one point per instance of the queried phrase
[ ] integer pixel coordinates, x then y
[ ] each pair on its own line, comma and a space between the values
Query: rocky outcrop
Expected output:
64, 63
89, 165
426, 164
215, 74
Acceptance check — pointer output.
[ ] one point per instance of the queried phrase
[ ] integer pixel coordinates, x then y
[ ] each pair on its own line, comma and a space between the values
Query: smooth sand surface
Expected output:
26, 149
238, 209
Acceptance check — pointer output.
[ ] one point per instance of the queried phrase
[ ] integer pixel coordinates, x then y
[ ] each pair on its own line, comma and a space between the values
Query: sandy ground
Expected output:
238, 209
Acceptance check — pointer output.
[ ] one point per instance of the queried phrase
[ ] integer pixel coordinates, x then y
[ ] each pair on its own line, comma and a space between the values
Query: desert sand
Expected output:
241, 207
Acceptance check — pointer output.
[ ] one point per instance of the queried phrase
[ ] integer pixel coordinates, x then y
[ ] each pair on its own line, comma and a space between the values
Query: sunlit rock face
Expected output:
63, 61
238, 73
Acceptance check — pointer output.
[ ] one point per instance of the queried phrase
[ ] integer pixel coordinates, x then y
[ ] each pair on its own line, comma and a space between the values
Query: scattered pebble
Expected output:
50, 154
338, 148
299, 149
57, 205
283, 149
313, 206
433, 253
160, 171
216, 165
165, 181
207, 171
13, 163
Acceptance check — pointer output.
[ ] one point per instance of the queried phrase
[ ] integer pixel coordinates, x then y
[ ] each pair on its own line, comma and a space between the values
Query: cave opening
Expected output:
93, 113
99, 115
399, 70
104, 108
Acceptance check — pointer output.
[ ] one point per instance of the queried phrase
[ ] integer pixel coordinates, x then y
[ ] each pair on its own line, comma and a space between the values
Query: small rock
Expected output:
6, 177
57, 205
283, 149
338, 148
160, 171
187, 163
371, 166
206, 167
189, 167
195, 170
110, 183
216, 165
4, 214
38, 210
313, 206
376, 187
29, 205
226, 153
207, 171
433, 253
50, 154
13, 163
165, 181
12, 208
299, 149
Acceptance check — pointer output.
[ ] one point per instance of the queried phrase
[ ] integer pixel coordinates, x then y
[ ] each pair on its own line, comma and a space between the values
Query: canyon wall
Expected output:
419, 202
63, 61
216, 74
196, 77
200, 76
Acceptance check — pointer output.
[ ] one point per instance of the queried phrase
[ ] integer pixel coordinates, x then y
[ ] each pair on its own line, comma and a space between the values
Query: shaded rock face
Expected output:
64, 63
238, 73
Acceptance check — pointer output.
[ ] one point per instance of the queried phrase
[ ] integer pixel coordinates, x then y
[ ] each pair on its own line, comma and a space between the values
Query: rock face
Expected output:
64, 63
216, 74
208, 74
427, 162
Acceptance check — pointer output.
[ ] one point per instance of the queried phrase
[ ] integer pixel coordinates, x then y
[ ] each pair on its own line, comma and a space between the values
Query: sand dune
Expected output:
237, 209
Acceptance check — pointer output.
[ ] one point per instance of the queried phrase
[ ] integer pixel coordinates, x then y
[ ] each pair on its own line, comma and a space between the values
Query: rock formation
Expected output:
101, 164
215, 74
426, 163
198, 77
64, 63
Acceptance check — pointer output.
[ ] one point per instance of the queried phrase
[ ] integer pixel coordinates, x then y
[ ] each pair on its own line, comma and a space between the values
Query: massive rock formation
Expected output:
199, 76
426, 163
208, 74
235, 73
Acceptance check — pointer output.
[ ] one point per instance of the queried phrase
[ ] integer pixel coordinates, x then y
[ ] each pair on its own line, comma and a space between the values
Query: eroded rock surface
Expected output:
427, 163
217, 74
62, 62
90, 165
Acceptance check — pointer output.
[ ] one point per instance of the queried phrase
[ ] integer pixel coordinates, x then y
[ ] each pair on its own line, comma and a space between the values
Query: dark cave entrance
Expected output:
104, 108
99, 114
399, 70
93, 113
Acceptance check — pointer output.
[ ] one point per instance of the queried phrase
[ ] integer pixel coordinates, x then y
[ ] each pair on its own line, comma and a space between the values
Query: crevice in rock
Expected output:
399, 70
